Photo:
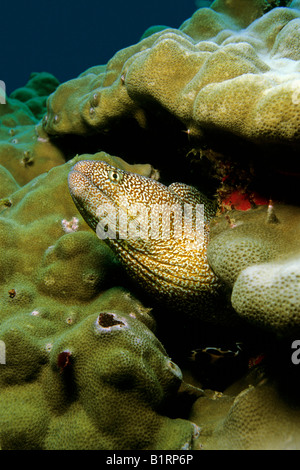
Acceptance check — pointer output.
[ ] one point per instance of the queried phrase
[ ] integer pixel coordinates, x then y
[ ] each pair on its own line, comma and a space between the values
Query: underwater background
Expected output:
137, 342
65, 38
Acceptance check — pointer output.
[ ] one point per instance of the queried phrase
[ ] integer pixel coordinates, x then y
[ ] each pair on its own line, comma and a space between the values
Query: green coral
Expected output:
99, 381
258, 417
8, 184
36, 92
25, 149
83, 367
216, 90
256, 254
221, 72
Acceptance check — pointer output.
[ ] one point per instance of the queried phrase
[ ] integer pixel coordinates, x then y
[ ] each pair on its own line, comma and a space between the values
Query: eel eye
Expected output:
115, 176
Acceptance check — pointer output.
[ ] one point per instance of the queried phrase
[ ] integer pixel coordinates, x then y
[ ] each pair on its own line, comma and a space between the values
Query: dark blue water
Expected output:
66, 37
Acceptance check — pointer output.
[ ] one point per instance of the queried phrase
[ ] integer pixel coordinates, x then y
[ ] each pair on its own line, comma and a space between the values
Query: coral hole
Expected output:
64, 359
107, 320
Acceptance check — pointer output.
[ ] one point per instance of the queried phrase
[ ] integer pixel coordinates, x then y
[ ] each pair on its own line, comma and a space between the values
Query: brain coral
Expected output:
256, 254
77, 346
223, 70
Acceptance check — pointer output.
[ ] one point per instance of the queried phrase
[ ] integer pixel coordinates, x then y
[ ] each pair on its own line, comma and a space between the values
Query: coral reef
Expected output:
90, 363
96, 379
225, 84
256, 254
256, 418
36, 92
25, 149
182, 71
76, 345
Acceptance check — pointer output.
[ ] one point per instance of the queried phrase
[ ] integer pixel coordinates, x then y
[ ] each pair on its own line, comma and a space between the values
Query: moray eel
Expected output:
168, 269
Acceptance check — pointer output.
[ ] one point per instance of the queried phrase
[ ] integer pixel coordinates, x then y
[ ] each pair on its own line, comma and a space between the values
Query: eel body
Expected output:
162, 261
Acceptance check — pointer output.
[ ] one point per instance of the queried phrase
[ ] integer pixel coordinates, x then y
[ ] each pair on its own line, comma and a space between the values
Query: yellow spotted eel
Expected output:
165, 268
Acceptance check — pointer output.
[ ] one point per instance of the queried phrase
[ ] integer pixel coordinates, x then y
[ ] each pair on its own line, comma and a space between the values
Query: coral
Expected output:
256, 418
36, 92
2, 92
88, 366
268, 295
223, 70
152, 30
25, 149
8, 184
223, 87
83, 367
98, 379
256, 254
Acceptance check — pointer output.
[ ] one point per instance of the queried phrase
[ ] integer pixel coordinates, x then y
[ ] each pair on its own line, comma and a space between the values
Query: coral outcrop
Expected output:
257, 417
84, 369
36, 92
223, 89
256, 254
96, 378
88, 364
25, 149
226, 70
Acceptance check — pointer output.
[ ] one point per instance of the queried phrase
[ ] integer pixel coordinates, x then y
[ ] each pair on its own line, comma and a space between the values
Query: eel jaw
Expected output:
86, 195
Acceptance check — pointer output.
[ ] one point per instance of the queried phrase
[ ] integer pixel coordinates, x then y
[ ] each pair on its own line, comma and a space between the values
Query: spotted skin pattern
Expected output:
166, 269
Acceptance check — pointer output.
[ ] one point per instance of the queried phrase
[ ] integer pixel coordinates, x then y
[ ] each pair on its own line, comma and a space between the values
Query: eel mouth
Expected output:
81, 172
81, 184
